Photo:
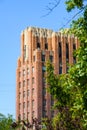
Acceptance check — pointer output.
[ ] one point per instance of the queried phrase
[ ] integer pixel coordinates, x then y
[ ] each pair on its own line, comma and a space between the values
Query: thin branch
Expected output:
50, 9
73, 17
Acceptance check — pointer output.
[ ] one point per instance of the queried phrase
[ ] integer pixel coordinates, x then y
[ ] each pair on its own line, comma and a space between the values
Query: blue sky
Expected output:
15, 16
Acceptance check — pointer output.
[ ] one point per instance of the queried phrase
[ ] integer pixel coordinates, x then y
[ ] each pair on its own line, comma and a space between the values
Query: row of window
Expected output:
24, 72
26, 82
38, 45
67, 56
26, 116
24, 104
26, 93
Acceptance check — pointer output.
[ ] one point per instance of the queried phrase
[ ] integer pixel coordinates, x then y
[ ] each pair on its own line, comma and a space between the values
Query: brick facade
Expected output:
37, 46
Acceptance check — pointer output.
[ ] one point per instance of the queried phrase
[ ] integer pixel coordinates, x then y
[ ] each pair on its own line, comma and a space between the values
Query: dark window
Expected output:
27, 70
60, 58
60, 50
33, 58
38, 45
32, 80
52, 113
51, 58
44, 91
43, 57
74, 46
67, 68
44, 113
43, 68
24, 83
74, 57
67, 52
27, 82
19, 84
60, 69
27, 92
46, 45
52, 102
33, 91
44, 102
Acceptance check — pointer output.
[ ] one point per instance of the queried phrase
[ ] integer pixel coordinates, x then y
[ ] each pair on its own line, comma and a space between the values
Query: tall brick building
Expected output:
37, 46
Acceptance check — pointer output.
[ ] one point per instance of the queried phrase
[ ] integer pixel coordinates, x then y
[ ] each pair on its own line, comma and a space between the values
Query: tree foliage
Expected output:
70, 90
5, 122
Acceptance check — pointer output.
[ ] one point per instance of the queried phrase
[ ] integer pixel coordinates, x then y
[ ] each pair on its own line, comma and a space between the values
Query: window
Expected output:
28, 92
19, 105
27, 70
43, 57
52, 102
74, 46
23, 72
44, 91
46, 45
44, 81
67, 68
60, 58
23, 93
27, 82
74, 57
32, 80
44, 102
67, 52
19, 74
52, 113
38, 45
19, 95
19, 117
33, 58
43, 68
28, 104
24, 83
60, 50
60, 69
19, 84
43, 74
33, 91
44, 113
27, 115
23, 104
51, 58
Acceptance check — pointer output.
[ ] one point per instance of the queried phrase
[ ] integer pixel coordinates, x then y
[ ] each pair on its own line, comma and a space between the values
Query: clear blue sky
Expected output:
15, 16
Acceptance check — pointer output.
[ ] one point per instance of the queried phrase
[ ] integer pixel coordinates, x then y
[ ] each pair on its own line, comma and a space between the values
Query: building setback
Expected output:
37, 46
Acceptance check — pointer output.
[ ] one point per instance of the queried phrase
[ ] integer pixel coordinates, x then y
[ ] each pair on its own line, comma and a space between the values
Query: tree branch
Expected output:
50, 9
79, 12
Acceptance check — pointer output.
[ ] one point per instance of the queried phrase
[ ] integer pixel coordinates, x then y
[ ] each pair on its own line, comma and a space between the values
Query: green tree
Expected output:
70, 90
5, 122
